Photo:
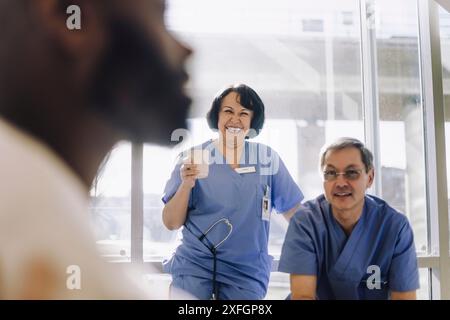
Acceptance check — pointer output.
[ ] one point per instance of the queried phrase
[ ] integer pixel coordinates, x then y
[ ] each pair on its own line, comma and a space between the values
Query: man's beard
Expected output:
135, 89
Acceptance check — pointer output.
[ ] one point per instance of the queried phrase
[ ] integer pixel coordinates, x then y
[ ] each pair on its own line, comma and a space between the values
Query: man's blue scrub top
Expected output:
316, 244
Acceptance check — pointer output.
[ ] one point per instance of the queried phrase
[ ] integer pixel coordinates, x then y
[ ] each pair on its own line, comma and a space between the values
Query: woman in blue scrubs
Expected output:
226, 216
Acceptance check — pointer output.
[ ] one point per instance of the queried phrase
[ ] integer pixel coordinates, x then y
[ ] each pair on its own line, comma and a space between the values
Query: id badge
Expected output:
266, 205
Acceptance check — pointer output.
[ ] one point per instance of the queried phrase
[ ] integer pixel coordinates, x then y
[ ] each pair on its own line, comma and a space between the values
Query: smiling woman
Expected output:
237, 192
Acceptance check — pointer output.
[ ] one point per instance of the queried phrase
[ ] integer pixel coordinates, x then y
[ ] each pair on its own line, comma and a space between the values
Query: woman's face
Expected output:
234, 119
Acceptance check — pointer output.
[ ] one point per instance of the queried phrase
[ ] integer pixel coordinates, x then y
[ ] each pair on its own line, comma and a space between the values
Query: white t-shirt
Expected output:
45, 230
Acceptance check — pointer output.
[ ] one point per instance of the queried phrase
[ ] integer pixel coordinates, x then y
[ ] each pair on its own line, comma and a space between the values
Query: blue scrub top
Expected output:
316, 244
243, 259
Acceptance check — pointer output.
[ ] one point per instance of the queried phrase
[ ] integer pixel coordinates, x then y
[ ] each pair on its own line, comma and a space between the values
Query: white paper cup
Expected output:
201, 159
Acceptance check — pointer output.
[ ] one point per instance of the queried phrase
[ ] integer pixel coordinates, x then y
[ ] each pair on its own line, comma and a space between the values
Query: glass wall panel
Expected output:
401, 113
111, 204
302, 57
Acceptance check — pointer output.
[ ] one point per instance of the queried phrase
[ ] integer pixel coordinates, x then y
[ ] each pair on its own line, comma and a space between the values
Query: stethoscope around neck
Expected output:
213, 249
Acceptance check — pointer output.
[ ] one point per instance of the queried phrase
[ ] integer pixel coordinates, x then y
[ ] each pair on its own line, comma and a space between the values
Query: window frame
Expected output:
435, 153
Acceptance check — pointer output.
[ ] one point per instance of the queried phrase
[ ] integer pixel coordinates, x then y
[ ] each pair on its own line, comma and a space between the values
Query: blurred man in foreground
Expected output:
66, 98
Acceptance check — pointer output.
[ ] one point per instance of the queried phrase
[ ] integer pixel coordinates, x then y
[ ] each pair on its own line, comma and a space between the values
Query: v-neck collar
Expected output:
344, 258
242, 157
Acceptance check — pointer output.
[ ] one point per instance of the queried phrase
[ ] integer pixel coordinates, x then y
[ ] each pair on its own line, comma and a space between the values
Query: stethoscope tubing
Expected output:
213, 250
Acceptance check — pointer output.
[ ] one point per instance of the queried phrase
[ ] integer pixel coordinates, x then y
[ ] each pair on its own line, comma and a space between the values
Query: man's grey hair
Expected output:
344, 143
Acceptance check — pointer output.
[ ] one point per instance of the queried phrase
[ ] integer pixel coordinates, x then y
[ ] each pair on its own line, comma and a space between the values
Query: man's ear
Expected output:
371, 175
56, 21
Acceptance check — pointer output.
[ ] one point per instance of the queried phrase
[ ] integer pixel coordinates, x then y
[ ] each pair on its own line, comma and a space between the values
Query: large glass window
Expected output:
401, 113
305, 59
111, 204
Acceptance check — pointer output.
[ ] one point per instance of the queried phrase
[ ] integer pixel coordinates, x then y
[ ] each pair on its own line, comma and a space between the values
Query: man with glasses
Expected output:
346, 244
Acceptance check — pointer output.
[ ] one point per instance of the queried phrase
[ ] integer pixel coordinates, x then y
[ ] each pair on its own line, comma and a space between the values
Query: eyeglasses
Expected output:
350, 174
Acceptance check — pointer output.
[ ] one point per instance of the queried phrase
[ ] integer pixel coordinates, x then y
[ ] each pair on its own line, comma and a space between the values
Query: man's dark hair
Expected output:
344, 143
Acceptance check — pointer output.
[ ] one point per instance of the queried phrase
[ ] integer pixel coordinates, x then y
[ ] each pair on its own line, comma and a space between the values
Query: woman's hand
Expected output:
189, 173
175, 210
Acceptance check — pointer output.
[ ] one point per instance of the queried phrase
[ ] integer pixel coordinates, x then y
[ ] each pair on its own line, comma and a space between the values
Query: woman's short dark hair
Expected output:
248, 98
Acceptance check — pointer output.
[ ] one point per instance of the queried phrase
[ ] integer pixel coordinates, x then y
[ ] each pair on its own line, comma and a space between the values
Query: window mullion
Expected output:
369, 86
137, 203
